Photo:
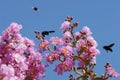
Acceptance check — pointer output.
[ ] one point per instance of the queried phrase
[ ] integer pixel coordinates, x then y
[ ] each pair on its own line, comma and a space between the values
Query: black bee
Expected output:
108, 48
35, 9
46, 33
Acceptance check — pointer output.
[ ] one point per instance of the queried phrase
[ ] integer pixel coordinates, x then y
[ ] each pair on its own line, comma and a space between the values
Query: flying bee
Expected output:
46, 33
109, 47
35, 9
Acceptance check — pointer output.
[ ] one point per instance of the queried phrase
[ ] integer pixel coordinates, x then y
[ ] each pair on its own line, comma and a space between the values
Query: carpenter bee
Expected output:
109, 47
35, 9
46, 33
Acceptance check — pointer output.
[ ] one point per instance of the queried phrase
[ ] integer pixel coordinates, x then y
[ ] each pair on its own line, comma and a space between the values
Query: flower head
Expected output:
65, 25
111, 72
44, 46
86, 30
66, 51
54, 40
67, 34
18, 58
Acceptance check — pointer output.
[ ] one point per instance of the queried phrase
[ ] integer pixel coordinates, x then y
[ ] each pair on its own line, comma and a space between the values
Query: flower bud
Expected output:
75, 24
69, 18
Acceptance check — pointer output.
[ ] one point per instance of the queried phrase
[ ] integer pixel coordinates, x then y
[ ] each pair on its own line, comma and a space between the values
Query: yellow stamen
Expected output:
64, 51
42, 45
56, 41
32, 71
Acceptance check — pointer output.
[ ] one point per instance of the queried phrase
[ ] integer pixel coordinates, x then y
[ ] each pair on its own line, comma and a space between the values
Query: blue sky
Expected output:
101, 16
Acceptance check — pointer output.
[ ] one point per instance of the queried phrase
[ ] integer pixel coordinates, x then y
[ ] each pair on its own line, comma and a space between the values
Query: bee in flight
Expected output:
46, 33
35, 9
109, 47
41, 36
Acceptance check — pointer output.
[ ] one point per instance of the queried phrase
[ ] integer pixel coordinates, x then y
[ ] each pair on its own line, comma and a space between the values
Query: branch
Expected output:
77, 72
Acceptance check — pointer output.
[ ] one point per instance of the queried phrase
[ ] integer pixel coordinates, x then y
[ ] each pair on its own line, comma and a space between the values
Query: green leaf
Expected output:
98, 78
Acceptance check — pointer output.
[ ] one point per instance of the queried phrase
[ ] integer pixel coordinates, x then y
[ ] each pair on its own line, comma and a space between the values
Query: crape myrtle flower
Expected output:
86, 30
111, 71
92, 42
51, 57
67, 34
72, 47
18, 58
64, 66
55, 40
77, 34
65, 25
66, 51
43, 46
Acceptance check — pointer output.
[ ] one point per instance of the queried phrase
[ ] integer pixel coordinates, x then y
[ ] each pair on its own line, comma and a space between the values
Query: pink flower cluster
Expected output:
72, 47
77, 52
111, 71
18, 58
73, 51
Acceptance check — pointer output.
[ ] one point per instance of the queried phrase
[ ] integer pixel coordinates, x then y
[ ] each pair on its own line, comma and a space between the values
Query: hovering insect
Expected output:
109, 47
35, 9
46, 33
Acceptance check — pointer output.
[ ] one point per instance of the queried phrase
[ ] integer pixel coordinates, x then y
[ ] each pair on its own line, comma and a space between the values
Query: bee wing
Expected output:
111, 45
110, 49
51, 31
